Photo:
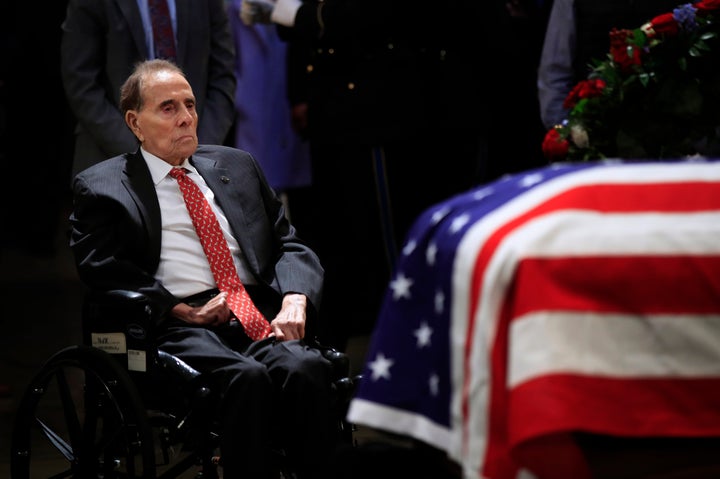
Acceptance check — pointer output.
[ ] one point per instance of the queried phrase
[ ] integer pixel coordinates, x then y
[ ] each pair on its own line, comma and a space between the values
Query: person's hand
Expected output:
290, 321
256, 11
299, 118
215, 312
285, 11
281, 12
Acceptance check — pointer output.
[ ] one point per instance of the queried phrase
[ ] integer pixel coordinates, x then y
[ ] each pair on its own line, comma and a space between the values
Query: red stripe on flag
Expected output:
545, 412
624, 284
627, 407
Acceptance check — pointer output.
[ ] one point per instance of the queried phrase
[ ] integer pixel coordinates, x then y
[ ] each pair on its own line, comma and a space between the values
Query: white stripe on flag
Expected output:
613, 345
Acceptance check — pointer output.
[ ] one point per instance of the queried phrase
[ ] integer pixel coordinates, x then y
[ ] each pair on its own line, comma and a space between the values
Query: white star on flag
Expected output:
439, 215
431, 253
530, 180
381, 367
409, 248
434, 381
439, 302
401, 287
423, 334
458, 223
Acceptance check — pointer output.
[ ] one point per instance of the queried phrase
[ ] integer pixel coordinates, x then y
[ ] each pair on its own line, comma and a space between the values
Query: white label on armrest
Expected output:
113, 343
136, 360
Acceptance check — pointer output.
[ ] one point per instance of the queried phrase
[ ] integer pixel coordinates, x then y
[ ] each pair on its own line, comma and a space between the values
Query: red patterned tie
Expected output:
163, 36
218, 254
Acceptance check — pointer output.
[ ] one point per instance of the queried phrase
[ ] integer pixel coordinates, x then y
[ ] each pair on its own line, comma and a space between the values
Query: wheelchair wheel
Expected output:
81, 417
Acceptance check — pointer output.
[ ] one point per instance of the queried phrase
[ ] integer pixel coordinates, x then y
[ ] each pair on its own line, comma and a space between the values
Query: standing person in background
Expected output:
516, 131
263, 121
578, 32
395, 121
28, 53
102, 40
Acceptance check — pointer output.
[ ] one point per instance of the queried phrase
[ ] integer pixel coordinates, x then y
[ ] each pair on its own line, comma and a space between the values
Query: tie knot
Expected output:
177, 172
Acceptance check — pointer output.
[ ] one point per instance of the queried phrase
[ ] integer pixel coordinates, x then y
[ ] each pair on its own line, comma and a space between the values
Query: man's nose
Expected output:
186, 115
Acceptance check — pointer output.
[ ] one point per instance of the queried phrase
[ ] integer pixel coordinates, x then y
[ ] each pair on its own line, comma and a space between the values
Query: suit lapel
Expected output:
131, 13
138, 181
182, 18
228, 191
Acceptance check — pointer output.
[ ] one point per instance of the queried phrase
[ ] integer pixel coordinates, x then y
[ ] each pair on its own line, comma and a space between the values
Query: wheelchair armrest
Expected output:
121, 322
107, 306
340, 361
120, 296
177, 368
113, 310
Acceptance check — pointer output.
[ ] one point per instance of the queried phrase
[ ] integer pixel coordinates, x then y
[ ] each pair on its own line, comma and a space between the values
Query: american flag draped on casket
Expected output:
577, 297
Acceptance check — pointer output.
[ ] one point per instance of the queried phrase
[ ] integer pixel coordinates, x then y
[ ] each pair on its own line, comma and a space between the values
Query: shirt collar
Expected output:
160, 168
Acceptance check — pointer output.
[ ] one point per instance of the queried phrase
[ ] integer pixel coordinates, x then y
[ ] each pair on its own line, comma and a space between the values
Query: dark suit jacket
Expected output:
387, 70
101, 42
116, 226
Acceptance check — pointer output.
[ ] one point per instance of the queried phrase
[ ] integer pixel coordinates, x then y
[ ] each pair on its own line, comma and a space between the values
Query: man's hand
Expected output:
290, 321
285, 11
299, 118
281, 12
213, 313
256, 11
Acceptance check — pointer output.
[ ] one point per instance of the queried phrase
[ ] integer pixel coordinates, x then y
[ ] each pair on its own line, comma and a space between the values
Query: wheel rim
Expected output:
81, 417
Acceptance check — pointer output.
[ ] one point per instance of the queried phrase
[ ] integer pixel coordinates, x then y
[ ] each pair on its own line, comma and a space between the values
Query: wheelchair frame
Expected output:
96, 406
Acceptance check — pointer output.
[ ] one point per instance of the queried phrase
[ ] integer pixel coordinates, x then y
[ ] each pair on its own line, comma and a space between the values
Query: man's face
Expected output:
167, 123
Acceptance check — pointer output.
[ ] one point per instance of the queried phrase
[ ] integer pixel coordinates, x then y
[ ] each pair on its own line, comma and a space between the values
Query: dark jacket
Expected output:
101, 42
116, 226
382, 70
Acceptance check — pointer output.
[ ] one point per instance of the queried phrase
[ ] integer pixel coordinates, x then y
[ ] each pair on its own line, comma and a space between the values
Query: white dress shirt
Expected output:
184, 269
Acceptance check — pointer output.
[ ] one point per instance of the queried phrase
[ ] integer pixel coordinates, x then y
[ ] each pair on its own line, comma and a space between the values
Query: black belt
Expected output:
201, 298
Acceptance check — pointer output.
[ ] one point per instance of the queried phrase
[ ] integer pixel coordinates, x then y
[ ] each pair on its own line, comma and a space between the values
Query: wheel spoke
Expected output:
60, 444
82, 415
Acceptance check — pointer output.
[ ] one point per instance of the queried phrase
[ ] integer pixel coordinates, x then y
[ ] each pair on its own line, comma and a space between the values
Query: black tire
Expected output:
81, 417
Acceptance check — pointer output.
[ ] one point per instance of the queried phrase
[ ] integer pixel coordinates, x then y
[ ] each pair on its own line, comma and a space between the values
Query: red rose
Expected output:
664, 24
624, 54
555, 147
584, 89
707, 5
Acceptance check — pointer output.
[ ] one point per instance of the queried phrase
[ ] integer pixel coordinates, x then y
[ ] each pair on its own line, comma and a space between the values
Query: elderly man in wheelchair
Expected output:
261, 394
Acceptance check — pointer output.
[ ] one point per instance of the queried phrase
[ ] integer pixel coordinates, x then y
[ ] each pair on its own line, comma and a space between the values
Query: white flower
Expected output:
579, 136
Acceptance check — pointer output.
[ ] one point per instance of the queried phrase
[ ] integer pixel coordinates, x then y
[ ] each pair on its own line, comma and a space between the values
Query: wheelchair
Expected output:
118, 407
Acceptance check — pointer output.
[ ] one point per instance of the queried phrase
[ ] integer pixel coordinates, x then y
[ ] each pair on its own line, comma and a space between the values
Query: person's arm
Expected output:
219, 104
290, 322
278, 258
111, 250
82, 66
555, 72
215, 312
315, 19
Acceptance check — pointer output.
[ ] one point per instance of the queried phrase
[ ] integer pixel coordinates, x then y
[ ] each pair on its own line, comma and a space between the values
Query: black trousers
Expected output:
274, 396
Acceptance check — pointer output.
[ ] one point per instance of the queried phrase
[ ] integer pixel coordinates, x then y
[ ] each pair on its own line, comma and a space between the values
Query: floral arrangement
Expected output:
656, 95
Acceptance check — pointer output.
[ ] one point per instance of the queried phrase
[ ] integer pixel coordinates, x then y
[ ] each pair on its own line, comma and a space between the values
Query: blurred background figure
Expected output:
515, 130
263, 120
396, 117
578, 32
34, 146
101, 42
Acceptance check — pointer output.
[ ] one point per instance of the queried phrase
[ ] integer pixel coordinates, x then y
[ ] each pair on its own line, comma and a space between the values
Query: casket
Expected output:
554, 321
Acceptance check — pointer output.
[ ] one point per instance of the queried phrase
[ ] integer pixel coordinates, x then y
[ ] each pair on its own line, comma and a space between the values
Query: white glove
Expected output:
284, 12
256, 11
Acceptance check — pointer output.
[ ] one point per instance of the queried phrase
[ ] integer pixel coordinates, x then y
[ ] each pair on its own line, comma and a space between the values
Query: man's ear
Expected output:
131, 119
